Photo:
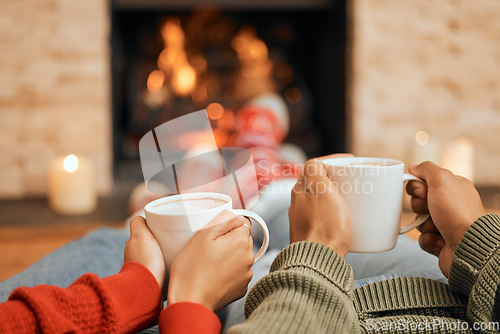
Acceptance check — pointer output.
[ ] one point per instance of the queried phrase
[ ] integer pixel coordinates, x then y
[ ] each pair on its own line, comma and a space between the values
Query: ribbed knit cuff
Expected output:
137, 296
187, 317
480, 242
317, 257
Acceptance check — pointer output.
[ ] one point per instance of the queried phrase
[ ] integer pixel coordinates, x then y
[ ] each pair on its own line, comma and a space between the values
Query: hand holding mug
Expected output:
173, 220
453, 203
215, 266
318, 212
143, 248
373, 190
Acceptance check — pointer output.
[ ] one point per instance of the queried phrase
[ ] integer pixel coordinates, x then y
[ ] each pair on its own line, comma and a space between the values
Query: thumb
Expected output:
425, 170
137, 226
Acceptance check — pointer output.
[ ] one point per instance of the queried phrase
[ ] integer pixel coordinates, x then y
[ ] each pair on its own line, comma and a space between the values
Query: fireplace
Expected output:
305, 57
413, 66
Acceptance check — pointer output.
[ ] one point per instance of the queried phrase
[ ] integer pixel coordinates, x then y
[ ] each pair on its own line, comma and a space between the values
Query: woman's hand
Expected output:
318, 212
143, 248
454, 205
215, 266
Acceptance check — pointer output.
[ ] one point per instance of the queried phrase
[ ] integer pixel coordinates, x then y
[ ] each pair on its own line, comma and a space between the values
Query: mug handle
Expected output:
422, 218
262, 224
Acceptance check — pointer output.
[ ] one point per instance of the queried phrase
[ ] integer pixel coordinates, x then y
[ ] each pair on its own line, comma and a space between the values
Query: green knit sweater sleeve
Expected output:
308, 289
475, 270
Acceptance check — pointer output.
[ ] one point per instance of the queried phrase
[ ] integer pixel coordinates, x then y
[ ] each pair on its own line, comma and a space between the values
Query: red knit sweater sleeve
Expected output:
188, 318
125, 302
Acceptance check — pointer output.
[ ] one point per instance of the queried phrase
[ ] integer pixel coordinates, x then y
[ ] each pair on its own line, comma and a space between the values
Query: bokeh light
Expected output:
215, 111
422, 138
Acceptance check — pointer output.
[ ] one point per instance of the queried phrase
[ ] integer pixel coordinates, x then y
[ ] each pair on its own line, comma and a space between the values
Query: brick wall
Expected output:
54, 90
416, 65
426, 65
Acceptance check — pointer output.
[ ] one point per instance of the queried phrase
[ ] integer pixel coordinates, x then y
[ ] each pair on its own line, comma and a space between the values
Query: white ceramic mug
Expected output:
173, 220
373, 190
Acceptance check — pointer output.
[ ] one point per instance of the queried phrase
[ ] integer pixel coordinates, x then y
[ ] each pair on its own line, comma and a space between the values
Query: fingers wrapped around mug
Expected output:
215, 266
428, 227
143, 248
314, 180
454, 205
432, 243
418, 193
430, 239
318, 212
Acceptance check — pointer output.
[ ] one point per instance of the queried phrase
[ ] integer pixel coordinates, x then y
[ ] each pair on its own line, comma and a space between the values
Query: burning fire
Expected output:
182, 76
173, 63
256, 67
252, 53
183, 80
191, 76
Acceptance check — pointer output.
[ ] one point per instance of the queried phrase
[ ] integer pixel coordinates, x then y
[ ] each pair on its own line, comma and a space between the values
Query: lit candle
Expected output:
71, 186
458, 156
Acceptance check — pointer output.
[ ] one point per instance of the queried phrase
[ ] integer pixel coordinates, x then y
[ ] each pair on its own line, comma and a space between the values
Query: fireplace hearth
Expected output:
303, 62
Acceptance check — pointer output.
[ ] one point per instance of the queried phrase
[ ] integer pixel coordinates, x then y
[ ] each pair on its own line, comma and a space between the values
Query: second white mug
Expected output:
373, 190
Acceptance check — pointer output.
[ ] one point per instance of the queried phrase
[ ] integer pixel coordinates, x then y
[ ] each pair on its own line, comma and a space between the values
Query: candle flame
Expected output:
70, 163
422, 138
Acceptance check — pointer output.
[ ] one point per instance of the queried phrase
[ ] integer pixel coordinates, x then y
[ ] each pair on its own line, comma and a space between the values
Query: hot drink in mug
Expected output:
173, 220
373, 190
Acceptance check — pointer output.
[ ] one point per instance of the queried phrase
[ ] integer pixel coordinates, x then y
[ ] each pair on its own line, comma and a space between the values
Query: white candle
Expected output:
71, 186
458, 157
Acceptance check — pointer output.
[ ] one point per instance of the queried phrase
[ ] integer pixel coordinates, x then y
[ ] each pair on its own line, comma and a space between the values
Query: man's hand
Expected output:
318, 212
454, 205
143, 248
215, 267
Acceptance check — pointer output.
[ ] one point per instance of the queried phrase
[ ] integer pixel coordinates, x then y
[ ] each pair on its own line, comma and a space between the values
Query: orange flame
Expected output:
183, 80
173, 59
